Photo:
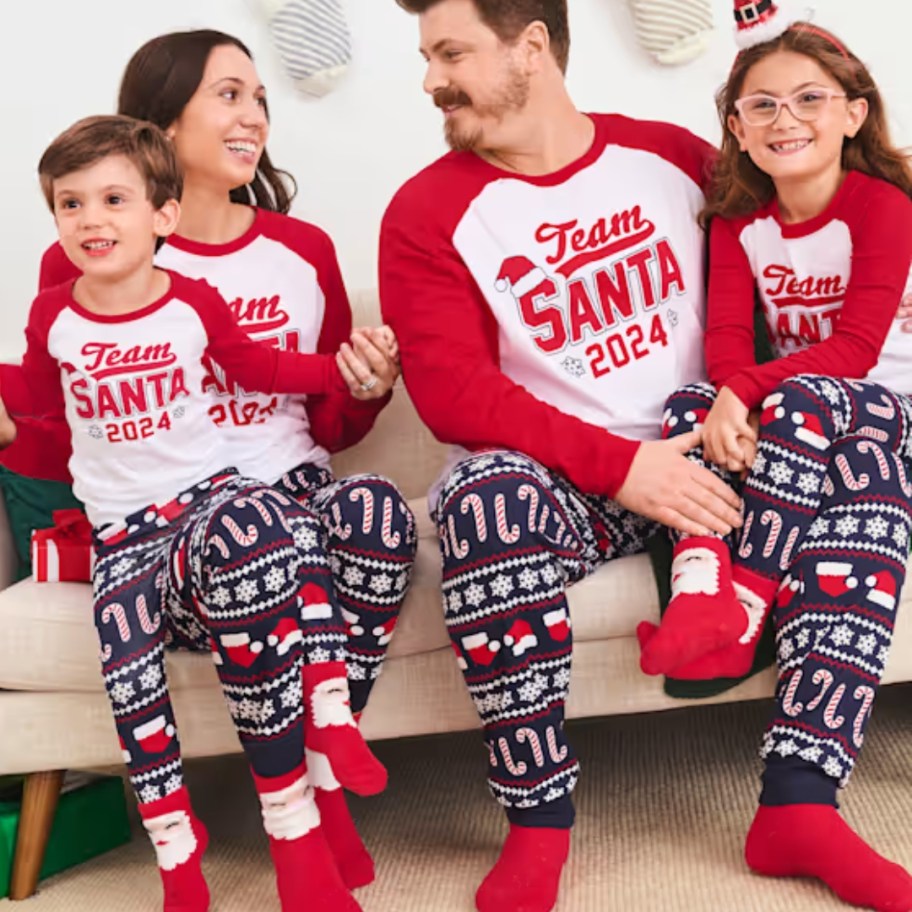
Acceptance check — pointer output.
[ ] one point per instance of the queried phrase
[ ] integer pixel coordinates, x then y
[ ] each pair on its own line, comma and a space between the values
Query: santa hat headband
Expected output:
759, 21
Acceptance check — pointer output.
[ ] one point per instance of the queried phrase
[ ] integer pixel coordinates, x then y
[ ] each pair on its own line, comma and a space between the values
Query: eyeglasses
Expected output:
805, 105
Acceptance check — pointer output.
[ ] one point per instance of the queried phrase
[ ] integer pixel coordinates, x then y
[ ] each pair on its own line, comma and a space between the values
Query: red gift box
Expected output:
64, 553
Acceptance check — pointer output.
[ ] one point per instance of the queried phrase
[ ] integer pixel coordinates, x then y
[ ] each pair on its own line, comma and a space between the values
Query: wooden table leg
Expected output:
39, 803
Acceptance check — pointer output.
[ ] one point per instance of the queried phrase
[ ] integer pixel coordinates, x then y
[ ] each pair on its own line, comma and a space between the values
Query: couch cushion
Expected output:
49, 640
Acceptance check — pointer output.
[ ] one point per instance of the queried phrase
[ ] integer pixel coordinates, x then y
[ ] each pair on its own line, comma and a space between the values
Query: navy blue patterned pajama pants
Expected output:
828, 511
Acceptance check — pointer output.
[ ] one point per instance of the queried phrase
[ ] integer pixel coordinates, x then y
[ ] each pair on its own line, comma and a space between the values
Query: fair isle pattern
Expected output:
827, 511
513, 536
673, 31
370, 539
836, 612
224, 568
313, 41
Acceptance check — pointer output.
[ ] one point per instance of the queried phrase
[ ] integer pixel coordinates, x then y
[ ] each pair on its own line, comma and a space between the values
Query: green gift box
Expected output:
91, 819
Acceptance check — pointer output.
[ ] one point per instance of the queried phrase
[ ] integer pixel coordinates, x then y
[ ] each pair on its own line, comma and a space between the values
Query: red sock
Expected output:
527, 873
812, 840
755, 594
703, 614
331, 730
306, 873
352, 859
180, 839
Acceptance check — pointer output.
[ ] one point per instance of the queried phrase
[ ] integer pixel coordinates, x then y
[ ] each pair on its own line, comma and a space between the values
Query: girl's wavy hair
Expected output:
164, 74
739, 187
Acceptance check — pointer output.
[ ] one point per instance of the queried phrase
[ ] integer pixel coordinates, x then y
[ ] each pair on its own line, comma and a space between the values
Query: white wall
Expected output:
352, 149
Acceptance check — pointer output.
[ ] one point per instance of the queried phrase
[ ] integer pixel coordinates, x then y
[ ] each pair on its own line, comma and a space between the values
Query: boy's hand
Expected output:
726, 424
7, 427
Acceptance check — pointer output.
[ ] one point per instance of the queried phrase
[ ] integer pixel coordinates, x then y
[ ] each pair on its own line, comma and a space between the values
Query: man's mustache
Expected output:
451, 97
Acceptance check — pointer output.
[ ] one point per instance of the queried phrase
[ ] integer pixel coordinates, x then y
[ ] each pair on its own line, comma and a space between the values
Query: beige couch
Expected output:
54, 714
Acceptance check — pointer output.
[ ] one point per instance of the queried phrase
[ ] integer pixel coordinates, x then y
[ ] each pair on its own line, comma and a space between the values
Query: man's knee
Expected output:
492, 500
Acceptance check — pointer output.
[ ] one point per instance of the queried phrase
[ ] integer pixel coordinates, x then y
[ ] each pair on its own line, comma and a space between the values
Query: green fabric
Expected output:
91, 819
660, 551
29, 505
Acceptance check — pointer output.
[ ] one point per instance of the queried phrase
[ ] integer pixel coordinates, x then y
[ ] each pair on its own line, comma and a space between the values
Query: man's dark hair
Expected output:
508, 18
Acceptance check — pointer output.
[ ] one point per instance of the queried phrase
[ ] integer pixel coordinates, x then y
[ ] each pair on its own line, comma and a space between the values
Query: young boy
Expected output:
188, 552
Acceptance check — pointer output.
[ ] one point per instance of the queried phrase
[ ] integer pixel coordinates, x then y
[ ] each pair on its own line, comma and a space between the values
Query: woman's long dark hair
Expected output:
740, 187
164, 74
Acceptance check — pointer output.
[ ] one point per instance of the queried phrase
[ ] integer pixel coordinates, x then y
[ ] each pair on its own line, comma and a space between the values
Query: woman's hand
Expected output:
365, 366
905, 313
726, 427
7, 427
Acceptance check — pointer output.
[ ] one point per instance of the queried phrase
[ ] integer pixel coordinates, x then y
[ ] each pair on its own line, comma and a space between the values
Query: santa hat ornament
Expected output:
758, 21
285, 635
352, 622
883, 590
520, 638
519, 275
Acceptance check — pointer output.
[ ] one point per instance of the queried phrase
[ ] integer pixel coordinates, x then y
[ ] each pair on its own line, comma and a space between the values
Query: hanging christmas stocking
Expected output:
673, 31
312, 39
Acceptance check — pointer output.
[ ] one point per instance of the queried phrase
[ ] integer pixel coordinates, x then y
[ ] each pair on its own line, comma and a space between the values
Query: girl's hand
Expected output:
726, 423
367, 370
7, 427
383, 338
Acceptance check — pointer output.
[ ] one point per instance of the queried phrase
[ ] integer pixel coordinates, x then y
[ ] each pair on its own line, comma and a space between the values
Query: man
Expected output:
546, 283
547, 304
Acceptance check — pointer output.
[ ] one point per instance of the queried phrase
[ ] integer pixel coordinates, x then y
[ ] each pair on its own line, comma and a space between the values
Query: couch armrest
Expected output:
8, 559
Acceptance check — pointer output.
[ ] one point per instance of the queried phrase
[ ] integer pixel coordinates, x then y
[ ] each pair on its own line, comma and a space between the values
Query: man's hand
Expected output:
664, 485
905, 313
725, 425
7, 427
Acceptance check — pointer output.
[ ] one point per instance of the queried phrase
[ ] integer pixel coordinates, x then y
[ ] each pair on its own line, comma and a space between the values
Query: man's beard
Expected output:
512, 97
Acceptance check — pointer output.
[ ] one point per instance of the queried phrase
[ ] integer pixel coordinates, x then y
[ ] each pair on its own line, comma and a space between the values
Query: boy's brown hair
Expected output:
508, 18
92, 139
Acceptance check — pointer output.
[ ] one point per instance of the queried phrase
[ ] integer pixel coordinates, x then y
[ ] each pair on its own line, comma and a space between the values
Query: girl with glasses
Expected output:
809, 214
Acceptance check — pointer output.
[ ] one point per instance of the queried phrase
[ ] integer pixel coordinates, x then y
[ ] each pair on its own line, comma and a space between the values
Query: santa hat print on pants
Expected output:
316, 605
480, 648
520, 637
285, 635
757, 21
154, 736
558, 624
519, 275
883, 590
835, 577
239, 648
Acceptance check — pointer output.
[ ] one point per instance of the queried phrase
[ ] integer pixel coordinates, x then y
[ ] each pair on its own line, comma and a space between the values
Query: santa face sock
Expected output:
673, 31
812, 840
179, 839
313, 41
526, 876
331, 730
703, 615
755, 596
352, 858
306, 873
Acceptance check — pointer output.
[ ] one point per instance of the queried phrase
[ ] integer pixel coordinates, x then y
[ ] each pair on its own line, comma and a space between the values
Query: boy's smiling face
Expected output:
107, 224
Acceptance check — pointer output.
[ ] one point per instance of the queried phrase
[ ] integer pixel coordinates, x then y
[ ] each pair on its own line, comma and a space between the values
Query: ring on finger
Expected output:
368, 385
